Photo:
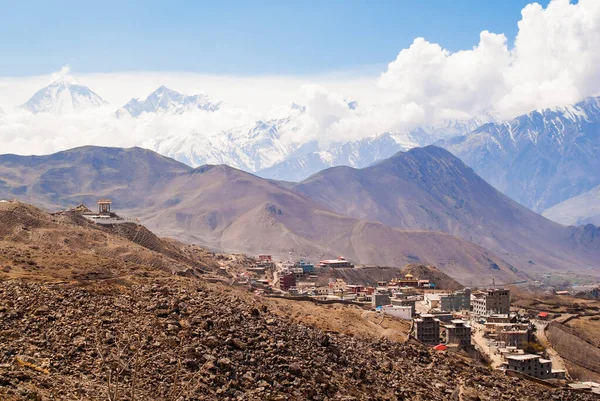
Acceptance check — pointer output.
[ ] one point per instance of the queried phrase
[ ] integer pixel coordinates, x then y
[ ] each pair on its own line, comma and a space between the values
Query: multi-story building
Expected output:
533, 365
380, 300
456, 301
427, 329
287, 281
515, 337
409, 302
492, 301
338, 285
458, 332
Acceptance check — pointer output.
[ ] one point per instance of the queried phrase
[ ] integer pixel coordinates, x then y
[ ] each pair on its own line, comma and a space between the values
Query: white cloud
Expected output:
555, 60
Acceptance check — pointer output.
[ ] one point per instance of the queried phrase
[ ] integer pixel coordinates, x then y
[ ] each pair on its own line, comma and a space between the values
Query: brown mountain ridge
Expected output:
227, 209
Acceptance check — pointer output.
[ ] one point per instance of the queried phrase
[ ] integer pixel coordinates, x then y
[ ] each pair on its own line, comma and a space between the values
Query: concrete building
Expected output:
427, 329
380, 300
458, 332
492, 301
338, 285
456, 301
335, 263
399, 312
287, 281
515, 338
407, 302
533, 365
306, 267
432, 300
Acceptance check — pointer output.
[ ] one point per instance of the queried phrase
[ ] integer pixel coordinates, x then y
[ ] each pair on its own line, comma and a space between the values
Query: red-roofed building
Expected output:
543, 315
440, 347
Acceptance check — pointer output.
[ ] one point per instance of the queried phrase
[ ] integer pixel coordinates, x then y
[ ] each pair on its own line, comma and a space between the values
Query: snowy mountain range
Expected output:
539, 159
358, 154
63, 96
249, 148
164, 100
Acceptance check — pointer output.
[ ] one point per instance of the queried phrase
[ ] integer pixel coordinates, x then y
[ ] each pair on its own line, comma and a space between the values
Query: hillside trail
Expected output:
557, 361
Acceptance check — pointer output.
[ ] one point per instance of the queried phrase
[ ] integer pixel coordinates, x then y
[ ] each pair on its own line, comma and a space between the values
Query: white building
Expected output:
399, 312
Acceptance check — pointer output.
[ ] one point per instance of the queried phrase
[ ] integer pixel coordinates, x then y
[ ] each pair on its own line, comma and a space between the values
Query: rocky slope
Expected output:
430, 189
149, 334
172, 340
539, 159
580, 210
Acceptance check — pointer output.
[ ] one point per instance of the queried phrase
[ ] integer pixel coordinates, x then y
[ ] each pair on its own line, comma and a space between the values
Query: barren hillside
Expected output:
230, 211
429, 189
85, 313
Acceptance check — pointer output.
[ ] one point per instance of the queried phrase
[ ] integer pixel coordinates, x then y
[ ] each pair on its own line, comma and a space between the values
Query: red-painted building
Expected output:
287, 281
265, 258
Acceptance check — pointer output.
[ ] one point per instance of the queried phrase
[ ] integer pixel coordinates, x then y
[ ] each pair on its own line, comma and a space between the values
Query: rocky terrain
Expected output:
176, 339
143, 329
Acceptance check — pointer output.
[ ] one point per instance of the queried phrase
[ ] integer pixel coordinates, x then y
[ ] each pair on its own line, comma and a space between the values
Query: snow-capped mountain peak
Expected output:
64, 95
167, 101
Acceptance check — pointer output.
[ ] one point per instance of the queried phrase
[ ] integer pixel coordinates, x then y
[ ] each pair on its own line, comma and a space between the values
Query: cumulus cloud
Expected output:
554, 60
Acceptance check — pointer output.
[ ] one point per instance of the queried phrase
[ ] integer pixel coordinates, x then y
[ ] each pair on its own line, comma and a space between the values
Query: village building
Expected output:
104, 206
407, 301
287, 281
543, 316
443, 316
424, 284
408, 281
518, 338
380, 300
355, 288
306, 267
458, 332
338, 285
456, 301
533, 365
432, 300
427, 329
399, 312
335, 263
501, 318
492, 301
265, 258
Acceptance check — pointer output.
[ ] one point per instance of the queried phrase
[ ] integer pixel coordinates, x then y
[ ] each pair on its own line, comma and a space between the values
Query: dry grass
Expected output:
344, 319
588, 328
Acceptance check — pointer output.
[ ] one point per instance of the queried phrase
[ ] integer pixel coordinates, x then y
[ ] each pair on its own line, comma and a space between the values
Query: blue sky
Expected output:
237, 37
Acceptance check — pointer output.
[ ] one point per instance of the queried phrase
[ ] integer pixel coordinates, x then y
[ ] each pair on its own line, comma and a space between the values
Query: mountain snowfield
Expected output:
247, 148
165, 100
65, 95
539, 159
358, 154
